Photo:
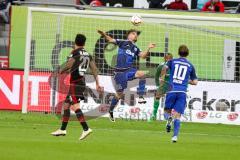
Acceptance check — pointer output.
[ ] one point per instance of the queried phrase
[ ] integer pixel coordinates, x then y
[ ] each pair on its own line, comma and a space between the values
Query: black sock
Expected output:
65, 119
81, 119
111, 109
84, 125
113, 104
64, 125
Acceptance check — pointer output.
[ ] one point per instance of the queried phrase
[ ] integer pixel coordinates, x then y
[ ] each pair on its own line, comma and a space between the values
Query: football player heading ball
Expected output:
124, 70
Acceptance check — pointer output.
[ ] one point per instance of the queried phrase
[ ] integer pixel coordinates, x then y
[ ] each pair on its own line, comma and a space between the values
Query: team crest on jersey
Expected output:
129, 52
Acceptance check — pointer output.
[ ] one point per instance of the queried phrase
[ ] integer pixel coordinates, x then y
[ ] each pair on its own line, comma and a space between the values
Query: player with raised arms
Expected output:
78, 63
161, 91
182, 73
124, 70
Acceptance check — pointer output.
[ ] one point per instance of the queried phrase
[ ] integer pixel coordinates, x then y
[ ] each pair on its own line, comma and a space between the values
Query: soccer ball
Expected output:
136, 20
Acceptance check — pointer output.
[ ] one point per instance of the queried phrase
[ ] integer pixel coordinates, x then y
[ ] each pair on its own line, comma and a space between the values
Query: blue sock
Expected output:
166, 115
114, 102
176, 123
141, 88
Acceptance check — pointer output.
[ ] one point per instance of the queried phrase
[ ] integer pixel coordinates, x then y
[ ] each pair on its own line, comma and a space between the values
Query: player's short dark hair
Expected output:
80, 40
131, 31
169, 54
183, 51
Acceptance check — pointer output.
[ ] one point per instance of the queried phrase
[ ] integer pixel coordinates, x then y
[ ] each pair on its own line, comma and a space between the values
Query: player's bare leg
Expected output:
113, 104
176, 123
141, 88
79, 114
65, 118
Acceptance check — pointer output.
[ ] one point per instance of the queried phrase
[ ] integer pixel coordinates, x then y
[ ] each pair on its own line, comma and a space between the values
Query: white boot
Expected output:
85, 134
59, 132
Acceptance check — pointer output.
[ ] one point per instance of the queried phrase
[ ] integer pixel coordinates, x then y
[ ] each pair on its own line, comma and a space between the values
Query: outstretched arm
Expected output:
107, 37
144, 54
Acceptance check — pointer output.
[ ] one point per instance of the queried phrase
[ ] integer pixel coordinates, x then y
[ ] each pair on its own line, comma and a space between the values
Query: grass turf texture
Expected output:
27, 137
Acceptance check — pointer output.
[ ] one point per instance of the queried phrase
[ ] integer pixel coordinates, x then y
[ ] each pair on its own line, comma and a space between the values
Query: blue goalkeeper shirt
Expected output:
127, 53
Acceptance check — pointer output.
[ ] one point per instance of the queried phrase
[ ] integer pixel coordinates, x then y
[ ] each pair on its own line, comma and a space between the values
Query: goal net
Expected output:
214, 44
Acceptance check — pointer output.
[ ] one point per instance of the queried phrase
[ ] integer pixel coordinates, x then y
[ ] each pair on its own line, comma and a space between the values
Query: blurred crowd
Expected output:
5, 9
202, 5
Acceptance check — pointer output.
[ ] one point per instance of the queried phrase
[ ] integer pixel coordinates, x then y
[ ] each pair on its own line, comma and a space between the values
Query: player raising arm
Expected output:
124, 70
77, 64
182, 72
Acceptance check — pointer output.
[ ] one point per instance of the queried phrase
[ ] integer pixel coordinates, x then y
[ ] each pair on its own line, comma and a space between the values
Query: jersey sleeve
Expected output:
119, 42
138, 51
75, 55
193, 74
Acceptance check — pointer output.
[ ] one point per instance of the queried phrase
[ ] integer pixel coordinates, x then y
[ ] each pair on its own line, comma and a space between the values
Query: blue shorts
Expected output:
121, 78
176, 101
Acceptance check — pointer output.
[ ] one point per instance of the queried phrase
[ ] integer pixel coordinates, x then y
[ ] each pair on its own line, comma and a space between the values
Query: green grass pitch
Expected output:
26, 137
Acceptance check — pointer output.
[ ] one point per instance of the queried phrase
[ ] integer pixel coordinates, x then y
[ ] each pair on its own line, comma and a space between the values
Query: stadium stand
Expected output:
4, 10
213, 6
177, 5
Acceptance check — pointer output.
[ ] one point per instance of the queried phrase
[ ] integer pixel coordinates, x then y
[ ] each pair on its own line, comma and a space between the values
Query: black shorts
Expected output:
76, 92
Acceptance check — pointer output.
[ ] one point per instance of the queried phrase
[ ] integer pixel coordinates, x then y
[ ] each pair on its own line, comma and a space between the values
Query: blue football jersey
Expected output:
181, 70
127, 53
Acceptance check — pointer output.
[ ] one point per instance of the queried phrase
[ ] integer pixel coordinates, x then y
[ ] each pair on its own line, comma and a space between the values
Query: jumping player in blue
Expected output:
182, 73
124, 70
